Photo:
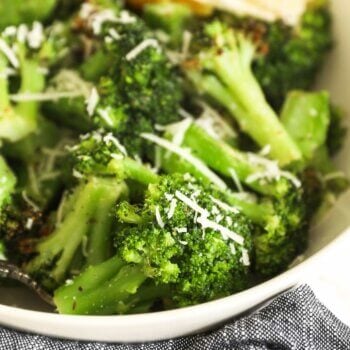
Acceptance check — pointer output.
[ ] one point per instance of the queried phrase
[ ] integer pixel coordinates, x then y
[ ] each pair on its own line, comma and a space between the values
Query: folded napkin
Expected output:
295, 320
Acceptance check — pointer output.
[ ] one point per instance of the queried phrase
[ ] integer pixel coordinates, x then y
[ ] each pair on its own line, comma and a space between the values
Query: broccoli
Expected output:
308, 118
101, 168
7, 183
16, 12
33, 55
254, 171
170, 17
16, 216
279, 213
290, 58
22, 226
337, 130
186, 238
83, 221
69, 110
223, 72
134, 79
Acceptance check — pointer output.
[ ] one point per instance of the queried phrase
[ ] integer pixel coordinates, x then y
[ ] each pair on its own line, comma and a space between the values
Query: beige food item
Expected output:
200, 8
289, 11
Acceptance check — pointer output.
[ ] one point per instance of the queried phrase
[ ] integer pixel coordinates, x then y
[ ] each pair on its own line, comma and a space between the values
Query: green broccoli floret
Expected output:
279, 214
83, 221
223, 72
69, 110
245, 169
186, 238
337, 130
20, 222
170, 17
30, 52
101, 168
16, 12
308, 118
291, 57
22, 225
7, 183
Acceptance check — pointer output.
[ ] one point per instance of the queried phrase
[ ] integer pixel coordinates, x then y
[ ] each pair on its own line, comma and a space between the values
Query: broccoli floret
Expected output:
307, 116
20, 222
140, 83
83, 221
256, 172
291, 57
170, 17
279, 215
22, 226
101, 168
7, 183
337, 130
69, 110
34, 53
16, 12
187, 238
101, 153
223, 72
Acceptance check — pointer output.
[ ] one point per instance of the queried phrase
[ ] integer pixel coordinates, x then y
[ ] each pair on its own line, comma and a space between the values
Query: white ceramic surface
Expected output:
32, 316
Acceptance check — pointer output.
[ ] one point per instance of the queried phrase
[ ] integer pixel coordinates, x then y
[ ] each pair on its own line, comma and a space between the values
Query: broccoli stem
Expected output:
258, 213
229, 162
21, 120
128, 168
8, 182
59, 248
4, 93
254, 114
93, 68
99, 237
306, 116
110, 296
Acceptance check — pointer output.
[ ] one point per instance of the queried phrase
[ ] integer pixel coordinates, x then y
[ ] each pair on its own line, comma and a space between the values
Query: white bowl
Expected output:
34, 317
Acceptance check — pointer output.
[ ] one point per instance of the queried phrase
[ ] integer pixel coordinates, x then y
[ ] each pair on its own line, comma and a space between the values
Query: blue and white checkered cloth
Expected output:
295, 320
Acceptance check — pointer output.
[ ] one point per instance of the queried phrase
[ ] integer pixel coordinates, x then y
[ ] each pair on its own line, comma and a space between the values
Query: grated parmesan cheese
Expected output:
179, 130
29, 223
236, 179
77, 174
22, 33
159, 218
8, 52
92, 101
271, 171
191, 204
224, 206
225, 232
110, 138
114, 34
186, 43
103, 112
141, 47
36, 37
186, 155
245, 257
172, 208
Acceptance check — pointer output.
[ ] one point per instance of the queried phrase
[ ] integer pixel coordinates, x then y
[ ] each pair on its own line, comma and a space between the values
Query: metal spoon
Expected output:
8, 270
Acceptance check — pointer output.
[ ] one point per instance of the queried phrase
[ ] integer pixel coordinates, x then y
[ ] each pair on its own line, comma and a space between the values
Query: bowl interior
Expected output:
335, 78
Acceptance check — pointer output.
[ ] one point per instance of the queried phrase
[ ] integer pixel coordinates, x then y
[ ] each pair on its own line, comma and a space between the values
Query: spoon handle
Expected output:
13, 272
